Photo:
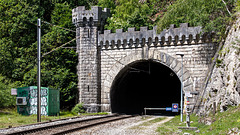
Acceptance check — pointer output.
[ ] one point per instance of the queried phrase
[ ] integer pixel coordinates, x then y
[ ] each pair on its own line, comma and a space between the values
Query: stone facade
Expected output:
102, 56
88, 23
196, 61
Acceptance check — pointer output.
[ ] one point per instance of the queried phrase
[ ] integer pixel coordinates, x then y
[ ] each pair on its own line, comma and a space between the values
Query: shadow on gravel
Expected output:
153, 113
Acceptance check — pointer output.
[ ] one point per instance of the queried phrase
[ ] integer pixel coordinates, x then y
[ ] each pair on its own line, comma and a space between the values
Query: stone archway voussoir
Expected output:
173, 64
177, 69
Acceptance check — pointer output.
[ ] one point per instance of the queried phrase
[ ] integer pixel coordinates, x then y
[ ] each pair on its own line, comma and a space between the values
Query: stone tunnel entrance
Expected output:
145, 83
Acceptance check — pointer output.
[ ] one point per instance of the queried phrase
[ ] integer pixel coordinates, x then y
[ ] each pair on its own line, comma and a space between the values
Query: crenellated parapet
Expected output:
106, 61
94, 17
172, 36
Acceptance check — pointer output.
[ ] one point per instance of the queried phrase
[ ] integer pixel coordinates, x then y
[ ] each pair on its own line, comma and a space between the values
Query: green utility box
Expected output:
27, 101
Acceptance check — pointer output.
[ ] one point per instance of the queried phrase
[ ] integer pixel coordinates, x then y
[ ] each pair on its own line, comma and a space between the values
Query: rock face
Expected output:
224, 85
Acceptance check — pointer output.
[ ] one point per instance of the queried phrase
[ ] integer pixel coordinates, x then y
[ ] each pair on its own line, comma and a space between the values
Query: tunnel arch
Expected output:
157, 58
144, 83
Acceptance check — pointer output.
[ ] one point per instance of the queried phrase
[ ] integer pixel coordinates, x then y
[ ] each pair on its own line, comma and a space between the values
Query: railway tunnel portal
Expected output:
127, 71
145, 83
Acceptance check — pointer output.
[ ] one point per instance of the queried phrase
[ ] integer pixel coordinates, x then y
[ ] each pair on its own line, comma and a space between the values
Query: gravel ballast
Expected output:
131, 126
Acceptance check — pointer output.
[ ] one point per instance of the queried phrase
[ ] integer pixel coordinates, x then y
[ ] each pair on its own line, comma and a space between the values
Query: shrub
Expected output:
78, 108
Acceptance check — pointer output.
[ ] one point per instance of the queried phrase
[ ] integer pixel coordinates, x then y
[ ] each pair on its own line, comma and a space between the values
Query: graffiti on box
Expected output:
33, 110
33, 101
33, 92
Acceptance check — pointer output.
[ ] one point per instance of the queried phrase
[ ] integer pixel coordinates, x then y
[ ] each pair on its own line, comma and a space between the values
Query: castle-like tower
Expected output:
105, 59
88, 23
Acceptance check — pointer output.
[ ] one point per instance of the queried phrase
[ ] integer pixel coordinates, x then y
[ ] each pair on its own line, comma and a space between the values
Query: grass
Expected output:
224, 122
148, 123
10, 117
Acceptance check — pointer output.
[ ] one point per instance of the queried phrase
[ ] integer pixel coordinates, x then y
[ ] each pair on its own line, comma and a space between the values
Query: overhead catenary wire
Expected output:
58, 47
94, 46
62, 46
58, 26
124, 64
69, 47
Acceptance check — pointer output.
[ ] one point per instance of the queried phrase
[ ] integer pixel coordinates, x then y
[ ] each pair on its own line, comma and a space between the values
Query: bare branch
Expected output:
227, 7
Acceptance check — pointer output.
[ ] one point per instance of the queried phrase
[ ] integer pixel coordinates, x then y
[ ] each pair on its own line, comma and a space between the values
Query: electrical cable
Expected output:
58, 47
124, 64
94, 46
58, 26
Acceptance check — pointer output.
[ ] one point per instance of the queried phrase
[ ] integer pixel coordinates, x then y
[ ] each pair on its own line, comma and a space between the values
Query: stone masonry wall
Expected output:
87, 68
196, 60
102, 54
88, 24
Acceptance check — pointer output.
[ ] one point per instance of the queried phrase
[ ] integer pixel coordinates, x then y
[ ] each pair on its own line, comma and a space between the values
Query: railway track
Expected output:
72, 126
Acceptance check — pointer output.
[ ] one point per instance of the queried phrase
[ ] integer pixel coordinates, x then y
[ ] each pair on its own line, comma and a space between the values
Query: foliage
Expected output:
132, 13
219, 62
223, 123
78, 108
237, 5
14, 20
6, 99
212, 15
76, 3
107, 4
62, 72
18, 45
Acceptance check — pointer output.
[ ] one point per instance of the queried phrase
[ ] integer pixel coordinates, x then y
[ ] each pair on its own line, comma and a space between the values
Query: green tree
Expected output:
133, 13
212, 15
58, 68
17, 35
18, 46
63, 69
107, 4
126, 15
6, 99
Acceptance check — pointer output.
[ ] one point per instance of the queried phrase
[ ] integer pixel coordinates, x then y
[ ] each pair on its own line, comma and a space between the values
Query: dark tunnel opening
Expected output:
145, 84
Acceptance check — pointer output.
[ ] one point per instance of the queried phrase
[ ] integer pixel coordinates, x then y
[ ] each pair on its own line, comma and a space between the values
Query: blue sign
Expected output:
168, 108
175, 107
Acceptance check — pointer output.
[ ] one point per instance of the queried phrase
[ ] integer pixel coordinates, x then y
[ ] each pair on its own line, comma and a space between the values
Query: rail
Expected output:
73, 126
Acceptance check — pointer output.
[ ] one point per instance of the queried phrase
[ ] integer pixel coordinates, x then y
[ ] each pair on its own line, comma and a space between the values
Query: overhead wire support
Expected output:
39, 70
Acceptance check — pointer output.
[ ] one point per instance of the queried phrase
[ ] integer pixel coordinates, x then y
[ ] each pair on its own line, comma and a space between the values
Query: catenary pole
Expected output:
181, 54
39, 70
182, 92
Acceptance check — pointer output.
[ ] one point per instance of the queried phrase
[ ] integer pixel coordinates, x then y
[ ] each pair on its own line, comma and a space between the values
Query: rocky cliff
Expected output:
224, 84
